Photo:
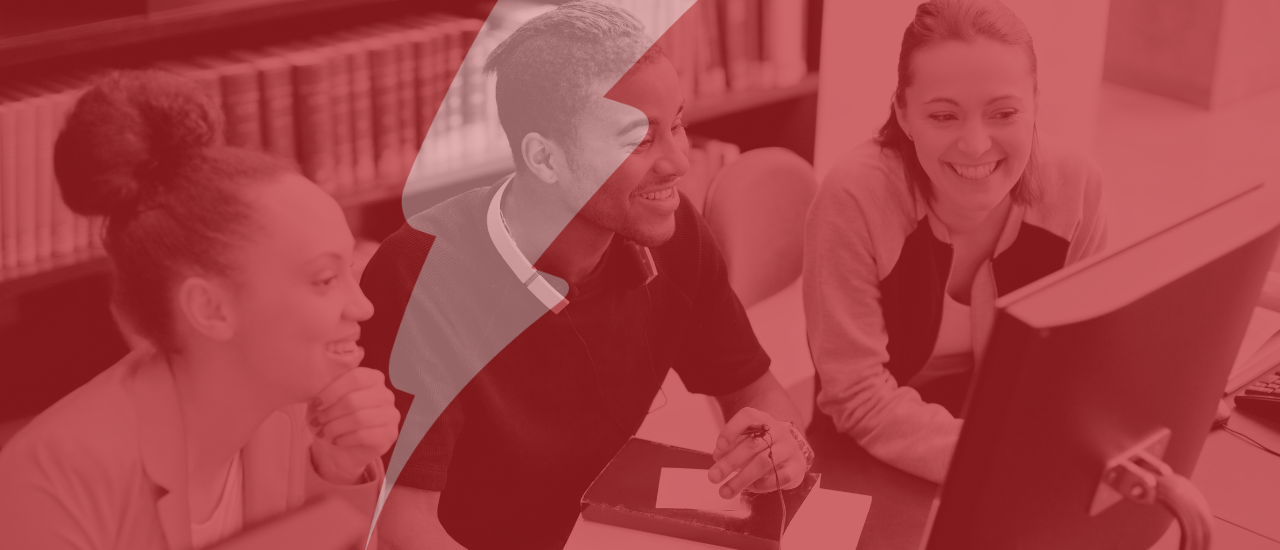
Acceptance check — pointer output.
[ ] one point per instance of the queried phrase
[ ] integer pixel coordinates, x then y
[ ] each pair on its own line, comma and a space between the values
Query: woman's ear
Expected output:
542, 156
207, 307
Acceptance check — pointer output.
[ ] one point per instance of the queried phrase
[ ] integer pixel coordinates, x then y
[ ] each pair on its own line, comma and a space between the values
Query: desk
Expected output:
1241, 483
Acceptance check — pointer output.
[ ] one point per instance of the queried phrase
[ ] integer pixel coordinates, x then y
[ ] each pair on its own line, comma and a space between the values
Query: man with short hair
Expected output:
576, 283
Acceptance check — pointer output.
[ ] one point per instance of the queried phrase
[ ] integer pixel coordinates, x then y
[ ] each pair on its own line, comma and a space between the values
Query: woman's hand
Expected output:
355, 421
737, 450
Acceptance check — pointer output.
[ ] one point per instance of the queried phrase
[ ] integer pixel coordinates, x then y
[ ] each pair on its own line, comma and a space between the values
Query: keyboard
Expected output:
1268, 385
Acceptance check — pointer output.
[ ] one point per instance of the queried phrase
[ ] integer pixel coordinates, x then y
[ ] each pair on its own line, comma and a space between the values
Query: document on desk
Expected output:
828, 520
1258, 353
690, 488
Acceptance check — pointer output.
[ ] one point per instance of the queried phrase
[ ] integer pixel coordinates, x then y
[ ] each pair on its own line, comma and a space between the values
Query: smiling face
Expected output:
970, 111
297, 303
630, 151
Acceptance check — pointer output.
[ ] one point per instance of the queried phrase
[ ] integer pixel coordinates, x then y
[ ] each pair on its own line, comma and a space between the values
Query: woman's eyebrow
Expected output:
950, 101
1004, 97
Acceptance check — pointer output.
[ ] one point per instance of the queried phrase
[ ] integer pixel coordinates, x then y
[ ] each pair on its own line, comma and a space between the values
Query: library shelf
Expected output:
58, 270
15, 282
437, 187
134, 30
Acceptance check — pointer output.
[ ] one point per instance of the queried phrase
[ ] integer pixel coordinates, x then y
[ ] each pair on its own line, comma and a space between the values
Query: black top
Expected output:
515, 451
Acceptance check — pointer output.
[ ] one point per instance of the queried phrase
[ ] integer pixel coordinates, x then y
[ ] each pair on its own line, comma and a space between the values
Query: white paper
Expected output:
828, 520
1262, 326
688, 488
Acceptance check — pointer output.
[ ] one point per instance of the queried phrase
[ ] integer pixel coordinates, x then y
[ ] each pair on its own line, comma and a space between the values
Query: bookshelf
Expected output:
56, 271
45, 302
30, 42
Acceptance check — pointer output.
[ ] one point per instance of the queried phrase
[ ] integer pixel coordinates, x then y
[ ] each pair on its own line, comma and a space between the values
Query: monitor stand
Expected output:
1139, 475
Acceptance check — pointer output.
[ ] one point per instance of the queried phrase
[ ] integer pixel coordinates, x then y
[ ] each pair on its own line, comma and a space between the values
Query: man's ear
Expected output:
544, 157
207, 307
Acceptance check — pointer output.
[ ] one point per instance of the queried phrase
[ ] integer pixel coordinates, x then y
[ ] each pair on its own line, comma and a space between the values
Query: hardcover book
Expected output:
625, 494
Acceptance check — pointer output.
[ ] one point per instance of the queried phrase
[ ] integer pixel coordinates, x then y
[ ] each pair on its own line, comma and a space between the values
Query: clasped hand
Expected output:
354, 420
748, 455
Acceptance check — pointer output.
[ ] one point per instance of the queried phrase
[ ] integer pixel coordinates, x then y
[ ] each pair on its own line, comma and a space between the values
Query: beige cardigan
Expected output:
105, 467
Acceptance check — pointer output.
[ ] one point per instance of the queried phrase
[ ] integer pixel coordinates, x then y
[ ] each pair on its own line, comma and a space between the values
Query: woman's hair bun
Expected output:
126, 134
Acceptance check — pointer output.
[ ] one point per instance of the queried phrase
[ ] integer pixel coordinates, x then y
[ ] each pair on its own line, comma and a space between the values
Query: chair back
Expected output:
756, 208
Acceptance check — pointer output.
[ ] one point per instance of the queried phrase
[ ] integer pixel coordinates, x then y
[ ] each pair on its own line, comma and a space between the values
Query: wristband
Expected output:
804, 445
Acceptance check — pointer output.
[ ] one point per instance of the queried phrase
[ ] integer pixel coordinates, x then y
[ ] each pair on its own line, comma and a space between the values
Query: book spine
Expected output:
26, 181
712, 80
366, 172
340, 101
784, 40
64, 225
8, 187
427, 75
241, 105
454, 99
734, 26
473, 92
314, 117
681, 48
44, 136
410, 143
275, 84
386, 109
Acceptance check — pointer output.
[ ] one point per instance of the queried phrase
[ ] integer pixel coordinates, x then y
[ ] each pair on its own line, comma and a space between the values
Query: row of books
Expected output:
353, 109
35, 225
719, 46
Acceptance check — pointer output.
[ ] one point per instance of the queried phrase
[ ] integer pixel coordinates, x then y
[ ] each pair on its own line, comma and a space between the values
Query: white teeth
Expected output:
974, 172
342, 348
659, 195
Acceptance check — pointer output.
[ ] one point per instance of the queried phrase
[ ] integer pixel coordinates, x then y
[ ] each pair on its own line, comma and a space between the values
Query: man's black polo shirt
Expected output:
514, 452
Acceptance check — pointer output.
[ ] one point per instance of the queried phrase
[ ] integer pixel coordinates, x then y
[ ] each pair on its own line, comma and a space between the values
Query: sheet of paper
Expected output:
689, 488
1262, 326
828, 520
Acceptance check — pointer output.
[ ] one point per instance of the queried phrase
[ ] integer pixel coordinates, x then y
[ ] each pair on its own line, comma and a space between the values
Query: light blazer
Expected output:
105, 467
877, 262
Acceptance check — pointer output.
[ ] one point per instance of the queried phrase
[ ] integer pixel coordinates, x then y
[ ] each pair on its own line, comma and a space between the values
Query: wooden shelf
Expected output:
708, 108
51, 272
135, 30
476, 174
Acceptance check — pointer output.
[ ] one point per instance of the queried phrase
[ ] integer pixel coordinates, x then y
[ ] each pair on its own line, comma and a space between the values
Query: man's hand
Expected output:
355, 421
748, 455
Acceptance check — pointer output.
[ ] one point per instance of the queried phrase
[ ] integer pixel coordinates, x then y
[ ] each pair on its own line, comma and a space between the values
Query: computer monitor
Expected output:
1087, 363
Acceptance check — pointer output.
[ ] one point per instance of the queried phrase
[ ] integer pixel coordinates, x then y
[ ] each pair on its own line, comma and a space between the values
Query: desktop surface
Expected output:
1239, 481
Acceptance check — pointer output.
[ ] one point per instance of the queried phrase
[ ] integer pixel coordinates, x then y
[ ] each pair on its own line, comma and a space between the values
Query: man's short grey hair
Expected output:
547, 70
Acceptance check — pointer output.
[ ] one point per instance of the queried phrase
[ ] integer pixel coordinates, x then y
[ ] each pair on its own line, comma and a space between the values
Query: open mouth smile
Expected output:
974, 171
